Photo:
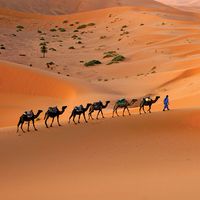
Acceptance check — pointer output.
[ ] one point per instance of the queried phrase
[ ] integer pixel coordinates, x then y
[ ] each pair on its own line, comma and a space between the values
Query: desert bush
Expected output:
62, 29
92, 63
103, 37
72, 47
91, 24
53, 30
117, 59
65, 21
110, 54
74, 37
19, 27
82, 26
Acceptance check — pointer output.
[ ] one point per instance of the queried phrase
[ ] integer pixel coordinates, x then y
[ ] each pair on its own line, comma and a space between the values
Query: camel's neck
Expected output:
87, 107
62, 111
104, 106
155, 100
37, 115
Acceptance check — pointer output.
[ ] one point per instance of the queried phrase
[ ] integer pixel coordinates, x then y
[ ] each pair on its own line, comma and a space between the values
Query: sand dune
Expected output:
24, 88
140, 157
192, 3
67, 6
163, 48
149, 156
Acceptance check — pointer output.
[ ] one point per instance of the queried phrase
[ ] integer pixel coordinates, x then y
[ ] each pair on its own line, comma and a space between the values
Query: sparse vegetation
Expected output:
117, 59
2, 47
92, 63
103, 37
62, 29
19, 28
91, 24
72, 47
110, 54
65, 21
82, 26
53, 30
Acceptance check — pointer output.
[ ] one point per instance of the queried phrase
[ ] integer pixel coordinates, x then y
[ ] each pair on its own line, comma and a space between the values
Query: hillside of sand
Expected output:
140, 157
185, 3
160, 48
68, 6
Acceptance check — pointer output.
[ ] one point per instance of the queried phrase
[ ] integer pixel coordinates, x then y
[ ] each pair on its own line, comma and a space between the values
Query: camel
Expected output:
27, 117
98, 106
147, 102
123, 103
79, 111
52, 113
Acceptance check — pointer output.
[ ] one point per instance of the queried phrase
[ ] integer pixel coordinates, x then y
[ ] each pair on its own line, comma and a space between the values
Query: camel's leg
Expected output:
124, 111
85, 118
140, 110
102, 114
70, 118
144, 109
46, 121
117, 112
128, 111
113, 112
28, 126
34, 125
149, 109
18, 125
98, 114
74, 119
90, 115
58, 121
22, 126
79, 117
52, 122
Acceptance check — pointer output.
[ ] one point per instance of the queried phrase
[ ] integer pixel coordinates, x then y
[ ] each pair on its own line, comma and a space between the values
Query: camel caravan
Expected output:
78, 111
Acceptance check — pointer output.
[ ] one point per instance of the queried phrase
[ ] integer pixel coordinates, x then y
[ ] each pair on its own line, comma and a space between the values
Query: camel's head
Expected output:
157, 97
89, 104
40, 111
107, 101
64, 107
133, 100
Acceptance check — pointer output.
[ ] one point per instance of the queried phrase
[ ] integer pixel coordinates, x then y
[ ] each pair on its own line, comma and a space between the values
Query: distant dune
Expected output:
191, 3
68, 6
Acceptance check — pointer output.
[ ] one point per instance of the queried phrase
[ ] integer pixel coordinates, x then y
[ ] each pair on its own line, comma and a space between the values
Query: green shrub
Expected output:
82, 26
103, 37
62, 29
92, 63
117, 59
91, 24
53, 30
19, 27
65, 21
110, 54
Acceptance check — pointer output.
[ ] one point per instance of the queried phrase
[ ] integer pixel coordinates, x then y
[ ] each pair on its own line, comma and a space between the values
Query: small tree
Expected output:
44, 50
